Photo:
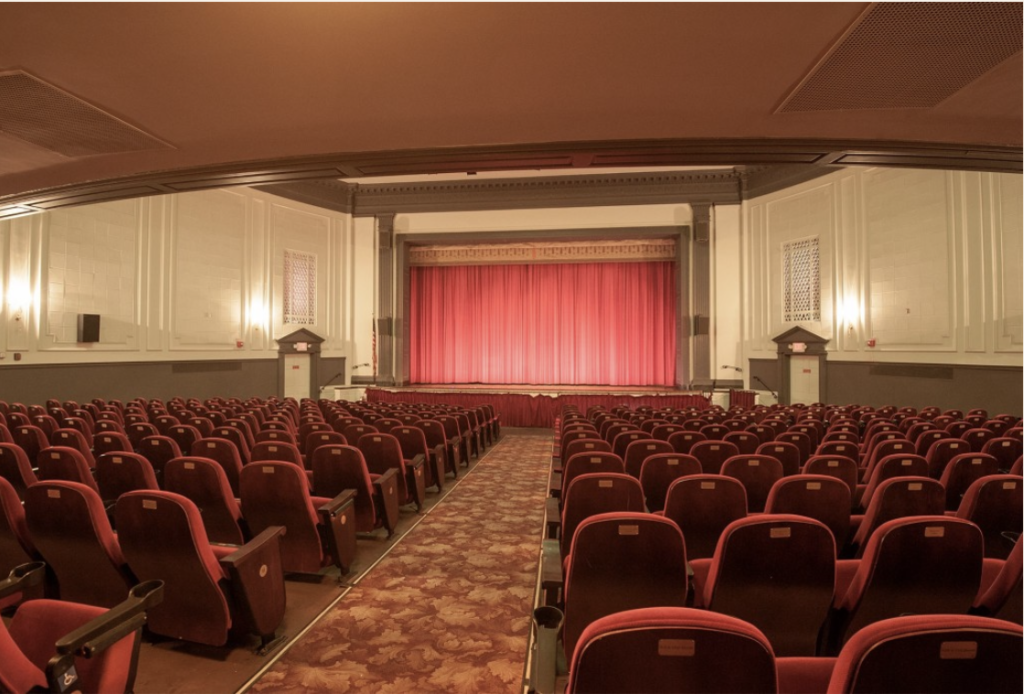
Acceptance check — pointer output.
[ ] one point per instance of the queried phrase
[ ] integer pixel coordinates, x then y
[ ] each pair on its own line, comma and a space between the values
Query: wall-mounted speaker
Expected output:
88, 327
701, 325
384, 326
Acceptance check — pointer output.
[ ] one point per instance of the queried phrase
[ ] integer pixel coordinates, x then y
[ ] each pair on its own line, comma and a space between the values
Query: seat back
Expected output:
323, 437
1002, 597
204, 482
896, 498
185, 435
16, 468
713, 454
382, 452
163, 537
993, 503
961, 473
920, 565
801, 440
237, 437
671, 649
702, 506
659, 471
788, 454
16, 546
595, 493
684, 441
946, 654
69, 527
159, 449
639, 450
275, 450
337, 467
757, 474
821, 497
226, 454
118, 472
977, 438
67, 464
941, 452
778, 573
73, 438
111, 442
895, 465
622, 561
277, 493
1004, 449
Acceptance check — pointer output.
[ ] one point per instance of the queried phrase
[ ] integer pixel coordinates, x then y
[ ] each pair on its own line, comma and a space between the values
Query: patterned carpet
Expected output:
449, 609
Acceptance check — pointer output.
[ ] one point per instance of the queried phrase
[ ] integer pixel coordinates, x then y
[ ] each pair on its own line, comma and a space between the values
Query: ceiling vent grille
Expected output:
47, 117
910, 55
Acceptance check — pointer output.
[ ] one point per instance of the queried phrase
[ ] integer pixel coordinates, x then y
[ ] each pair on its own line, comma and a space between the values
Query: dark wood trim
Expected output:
537, 157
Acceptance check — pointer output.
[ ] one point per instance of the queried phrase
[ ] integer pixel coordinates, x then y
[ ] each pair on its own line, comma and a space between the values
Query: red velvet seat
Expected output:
117, 473
111, 442
941, 451
918, 565
993, 503
69, 527
804, 443
159, 450
639, 450
658, 473
73, 438
757, 474
42, 649
207, 597
595, 493
943, 654
622, 561
321, 437
888, 467
671, 649
16, 547
413, 443
684, 441
16, 468
382, 452
1004, 449
713, 454
776, 572
338, 467
237, 437
204, 482
437, 443
785, 452
702, 506
62, 463
1001, 597
977, 438
185, 435
273, 450
320, 531
821, 497
961, 473
225, 453
896, 498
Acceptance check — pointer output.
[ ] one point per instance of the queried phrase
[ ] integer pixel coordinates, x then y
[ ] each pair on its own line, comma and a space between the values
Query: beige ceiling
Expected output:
230, 87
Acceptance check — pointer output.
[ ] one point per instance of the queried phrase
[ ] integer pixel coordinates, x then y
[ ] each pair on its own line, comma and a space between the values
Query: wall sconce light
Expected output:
19, 299
258, 315
849, 312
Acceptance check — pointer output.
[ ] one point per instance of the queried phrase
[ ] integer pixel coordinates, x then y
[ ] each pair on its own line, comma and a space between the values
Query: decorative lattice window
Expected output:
299, 288
801, 278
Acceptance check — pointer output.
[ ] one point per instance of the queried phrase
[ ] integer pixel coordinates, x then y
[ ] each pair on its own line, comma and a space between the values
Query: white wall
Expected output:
927, 263
178, 277
726, 292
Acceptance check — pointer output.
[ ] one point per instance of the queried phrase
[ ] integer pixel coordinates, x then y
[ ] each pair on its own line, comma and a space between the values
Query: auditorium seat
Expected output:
920, 565
888, 467
659, 471
941, 452
159, 449
993, 503
16, 468
437, 444
208, 595
776, 572
119, 472
453, 442
413, 444
1004, 449
745, 442
272, 450
57, 646
321, 437
594, 493
320, 531
111, 442
69, 527
225, 453
757, 474
939, 654
73, 438
66, 464
638, 451
382, 452
683, 441
925, 441
204, 482
669, 650
702, 506
713, 454
884, 449
895, 498
621, 561
962, 471
237, 437
821, 497
16, 547
801, 440
338, 467
1001, 596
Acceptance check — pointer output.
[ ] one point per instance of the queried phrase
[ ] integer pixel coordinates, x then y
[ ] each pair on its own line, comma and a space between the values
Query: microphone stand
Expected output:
330, 381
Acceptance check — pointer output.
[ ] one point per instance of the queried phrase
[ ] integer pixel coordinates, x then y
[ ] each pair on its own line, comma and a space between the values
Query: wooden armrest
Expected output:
22, 577
257, 582
338, 522
553, 518
555, 485
386, 494
551, 579
335, 506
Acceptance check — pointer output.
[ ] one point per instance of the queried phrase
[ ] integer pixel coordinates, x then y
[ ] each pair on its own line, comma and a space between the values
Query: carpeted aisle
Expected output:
449, 609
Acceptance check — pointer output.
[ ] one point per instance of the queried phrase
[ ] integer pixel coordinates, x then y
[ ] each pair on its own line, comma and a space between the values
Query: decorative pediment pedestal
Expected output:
298, 365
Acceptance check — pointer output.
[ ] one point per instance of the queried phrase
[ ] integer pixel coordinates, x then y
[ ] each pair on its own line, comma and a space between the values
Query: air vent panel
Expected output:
910, 55
47, 117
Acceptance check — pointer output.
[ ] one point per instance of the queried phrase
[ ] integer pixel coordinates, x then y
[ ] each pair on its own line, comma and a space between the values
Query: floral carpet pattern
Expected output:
449, 610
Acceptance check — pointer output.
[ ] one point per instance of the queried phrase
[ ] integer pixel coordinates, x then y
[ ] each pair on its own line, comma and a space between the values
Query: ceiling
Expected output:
100, 101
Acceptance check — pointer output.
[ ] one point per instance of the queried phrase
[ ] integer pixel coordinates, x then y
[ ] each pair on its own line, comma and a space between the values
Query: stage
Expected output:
537, 406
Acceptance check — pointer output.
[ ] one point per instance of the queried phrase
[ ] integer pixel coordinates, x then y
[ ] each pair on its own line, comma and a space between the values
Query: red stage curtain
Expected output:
575, 324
